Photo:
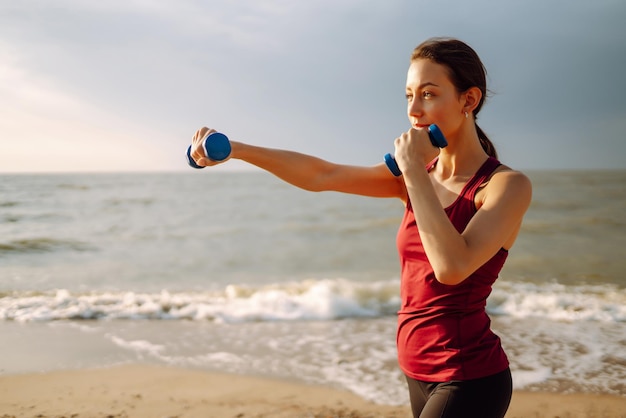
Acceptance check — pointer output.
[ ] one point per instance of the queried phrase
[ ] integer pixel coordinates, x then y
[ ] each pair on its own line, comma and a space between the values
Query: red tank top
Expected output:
443, 331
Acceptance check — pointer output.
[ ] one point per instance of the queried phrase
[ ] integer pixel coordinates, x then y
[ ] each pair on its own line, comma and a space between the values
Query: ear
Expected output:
472, 97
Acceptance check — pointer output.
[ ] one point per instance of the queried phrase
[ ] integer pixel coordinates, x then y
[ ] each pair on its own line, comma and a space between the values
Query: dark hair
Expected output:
465, 69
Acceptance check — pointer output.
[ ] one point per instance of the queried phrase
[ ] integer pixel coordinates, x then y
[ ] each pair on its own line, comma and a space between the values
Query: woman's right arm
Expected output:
314, 174
311, 173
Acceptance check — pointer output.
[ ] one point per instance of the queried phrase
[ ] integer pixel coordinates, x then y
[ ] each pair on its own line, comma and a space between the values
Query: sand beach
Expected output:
148, 391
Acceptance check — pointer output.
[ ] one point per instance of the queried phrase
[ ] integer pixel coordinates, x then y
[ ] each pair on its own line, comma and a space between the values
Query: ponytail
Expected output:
487, 145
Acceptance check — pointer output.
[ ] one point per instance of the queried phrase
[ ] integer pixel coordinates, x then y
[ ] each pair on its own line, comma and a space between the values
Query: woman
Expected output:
463, 212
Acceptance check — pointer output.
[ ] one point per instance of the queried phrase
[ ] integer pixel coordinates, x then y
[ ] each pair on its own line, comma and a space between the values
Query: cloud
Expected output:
324, 77
44, 127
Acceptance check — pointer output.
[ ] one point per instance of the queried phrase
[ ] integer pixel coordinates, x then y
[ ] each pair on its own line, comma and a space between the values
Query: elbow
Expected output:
453, 266
321, 181
450, 275
314, 186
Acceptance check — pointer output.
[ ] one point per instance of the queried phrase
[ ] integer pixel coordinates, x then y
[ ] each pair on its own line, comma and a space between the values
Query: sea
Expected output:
239, 272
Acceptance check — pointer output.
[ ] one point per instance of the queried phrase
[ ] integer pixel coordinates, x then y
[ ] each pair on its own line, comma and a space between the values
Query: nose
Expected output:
414, 108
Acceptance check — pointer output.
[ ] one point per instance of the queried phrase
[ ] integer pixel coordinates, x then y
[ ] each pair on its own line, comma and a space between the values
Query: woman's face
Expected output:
431, 97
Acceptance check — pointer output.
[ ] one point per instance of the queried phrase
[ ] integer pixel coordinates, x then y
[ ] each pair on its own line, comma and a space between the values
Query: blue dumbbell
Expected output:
436, 138
216, 147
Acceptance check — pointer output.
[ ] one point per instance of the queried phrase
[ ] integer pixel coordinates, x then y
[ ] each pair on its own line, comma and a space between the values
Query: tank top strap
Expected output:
432, 164
484, 172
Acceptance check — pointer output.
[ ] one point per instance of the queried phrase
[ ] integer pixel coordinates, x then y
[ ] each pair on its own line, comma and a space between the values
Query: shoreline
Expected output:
148, 391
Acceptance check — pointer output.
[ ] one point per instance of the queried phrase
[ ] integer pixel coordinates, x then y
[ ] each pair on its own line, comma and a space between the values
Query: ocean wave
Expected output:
37, 245
558, 302
306, 300
122, 202
73, 186
10, 218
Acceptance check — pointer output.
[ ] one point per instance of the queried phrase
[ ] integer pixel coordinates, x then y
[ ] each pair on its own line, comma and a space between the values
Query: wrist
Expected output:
415, 174
237, 150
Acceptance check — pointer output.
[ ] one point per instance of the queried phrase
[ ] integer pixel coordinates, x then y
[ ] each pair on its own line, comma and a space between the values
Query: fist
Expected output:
197, 147
414, 147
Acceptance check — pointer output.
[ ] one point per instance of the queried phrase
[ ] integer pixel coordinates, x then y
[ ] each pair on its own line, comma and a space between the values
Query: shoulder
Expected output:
509, 185
508, 177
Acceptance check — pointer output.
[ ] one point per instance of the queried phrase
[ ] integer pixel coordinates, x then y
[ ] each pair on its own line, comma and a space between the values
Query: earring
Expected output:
466, 115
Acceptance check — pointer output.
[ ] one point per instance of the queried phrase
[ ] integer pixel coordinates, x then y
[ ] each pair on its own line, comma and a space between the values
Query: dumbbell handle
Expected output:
216, 147
436, 138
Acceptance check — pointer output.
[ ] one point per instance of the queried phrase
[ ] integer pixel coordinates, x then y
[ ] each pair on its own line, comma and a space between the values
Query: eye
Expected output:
427, 94
409, 97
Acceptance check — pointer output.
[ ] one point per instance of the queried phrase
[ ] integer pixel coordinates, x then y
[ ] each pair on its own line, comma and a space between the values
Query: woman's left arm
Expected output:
455, 256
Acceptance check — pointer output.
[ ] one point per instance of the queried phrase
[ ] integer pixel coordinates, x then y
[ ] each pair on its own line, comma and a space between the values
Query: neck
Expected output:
463, 156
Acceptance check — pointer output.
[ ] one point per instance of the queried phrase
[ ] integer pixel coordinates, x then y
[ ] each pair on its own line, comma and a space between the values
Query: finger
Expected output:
197, 152
200, 133
197, 139
206, 162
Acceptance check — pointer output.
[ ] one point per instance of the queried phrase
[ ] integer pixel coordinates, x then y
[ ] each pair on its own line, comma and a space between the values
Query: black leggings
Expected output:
487, 397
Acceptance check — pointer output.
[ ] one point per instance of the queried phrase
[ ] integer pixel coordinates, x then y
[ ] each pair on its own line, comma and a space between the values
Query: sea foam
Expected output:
326, 299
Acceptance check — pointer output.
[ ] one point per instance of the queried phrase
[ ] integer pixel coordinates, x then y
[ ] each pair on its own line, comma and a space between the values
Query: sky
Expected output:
122, 85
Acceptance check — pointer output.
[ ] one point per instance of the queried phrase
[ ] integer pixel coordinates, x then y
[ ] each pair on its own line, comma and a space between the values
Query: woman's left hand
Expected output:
414, 148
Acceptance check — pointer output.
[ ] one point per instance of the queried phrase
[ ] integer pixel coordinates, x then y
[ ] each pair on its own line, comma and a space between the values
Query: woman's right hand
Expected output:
197, 148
